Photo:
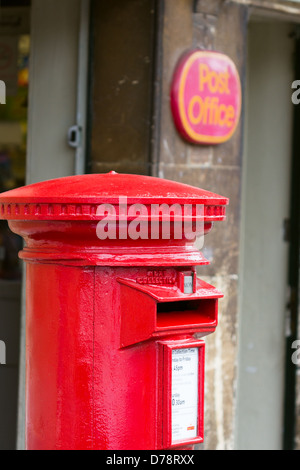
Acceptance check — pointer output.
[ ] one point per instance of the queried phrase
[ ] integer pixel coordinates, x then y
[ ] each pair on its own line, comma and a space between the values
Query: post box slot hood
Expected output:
155, 311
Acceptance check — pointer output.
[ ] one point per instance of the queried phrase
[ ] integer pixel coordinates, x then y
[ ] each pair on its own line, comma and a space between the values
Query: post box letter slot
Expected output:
153, 311
186, 313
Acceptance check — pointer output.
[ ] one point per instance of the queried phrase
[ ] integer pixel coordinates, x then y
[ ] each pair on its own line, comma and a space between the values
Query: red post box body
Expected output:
115, 326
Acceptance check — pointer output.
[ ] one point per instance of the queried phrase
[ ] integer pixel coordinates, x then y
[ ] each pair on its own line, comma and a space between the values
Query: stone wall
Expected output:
220, 26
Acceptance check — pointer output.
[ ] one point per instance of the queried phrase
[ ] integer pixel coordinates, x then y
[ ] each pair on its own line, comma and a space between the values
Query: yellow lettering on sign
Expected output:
195, 115
213, 81
209, 111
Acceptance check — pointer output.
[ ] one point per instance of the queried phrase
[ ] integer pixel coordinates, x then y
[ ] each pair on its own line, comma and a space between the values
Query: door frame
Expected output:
59, 35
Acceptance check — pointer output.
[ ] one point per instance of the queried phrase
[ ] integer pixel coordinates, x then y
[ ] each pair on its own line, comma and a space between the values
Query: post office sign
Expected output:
206, 97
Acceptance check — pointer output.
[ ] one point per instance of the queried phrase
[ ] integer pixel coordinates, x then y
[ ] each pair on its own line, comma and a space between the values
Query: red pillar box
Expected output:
115, 312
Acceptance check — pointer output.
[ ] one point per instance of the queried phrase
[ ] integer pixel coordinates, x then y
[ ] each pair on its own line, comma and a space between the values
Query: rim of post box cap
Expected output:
51, 205
77, 197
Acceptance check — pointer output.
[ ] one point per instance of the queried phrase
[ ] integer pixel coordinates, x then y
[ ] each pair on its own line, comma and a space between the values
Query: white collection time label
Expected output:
185, 366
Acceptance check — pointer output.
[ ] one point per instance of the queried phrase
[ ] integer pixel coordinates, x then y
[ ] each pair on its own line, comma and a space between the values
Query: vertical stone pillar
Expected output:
221, 26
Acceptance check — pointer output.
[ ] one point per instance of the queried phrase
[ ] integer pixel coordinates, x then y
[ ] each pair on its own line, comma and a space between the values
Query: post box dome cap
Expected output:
80, 195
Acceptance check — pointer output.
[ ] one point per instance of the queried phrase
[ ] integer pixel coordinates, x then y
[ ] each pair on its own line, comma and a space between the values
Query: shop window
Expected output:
14, 71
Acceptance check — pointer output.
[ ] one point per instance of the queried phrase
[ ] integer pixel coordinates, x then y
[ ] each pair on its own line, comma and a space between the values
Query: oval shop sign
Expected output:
206, 97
